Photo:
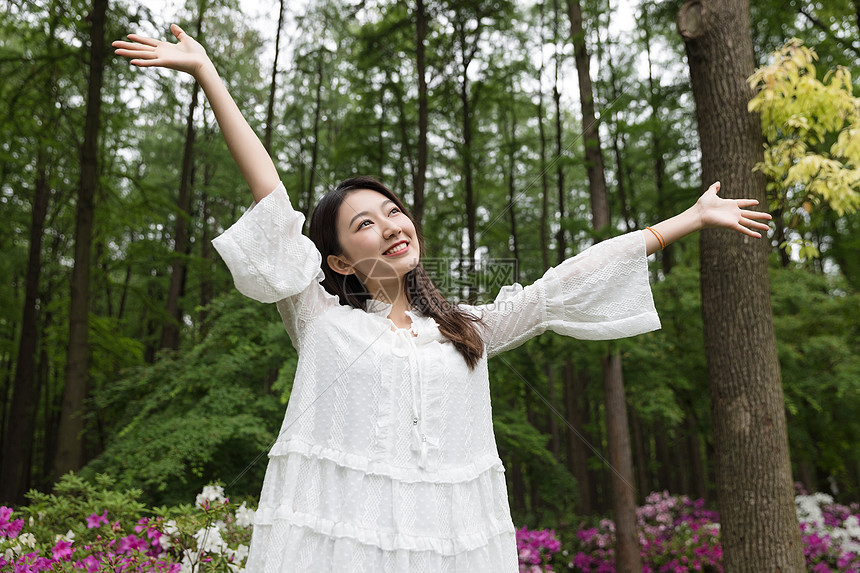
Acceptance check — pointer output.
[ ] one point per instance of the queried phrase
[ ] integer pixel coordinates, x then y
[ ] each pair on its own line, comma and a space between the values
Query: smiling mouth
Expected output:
397, 249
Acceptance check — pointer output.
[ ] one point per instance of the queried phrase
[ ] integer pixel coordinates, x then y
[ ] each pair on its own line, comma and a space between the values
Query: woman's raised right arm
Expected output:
189, 56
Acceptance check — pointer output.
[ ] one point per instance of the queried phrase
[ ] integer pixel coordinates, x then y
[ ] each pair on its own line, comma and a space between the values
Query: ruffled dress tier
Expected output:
386, 461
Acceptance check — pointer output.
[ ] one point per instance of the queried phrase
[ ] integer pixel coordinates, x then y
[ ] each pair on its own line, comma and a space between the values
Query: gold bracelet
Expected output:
659, 238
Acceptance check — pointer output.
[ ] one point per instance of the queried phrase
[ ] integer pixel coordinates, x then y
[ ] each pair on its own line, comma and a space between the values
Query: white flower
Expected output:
69, 537
28, 539
209, 539
809, 507
238, 555
244, 516
214, 493
170, 527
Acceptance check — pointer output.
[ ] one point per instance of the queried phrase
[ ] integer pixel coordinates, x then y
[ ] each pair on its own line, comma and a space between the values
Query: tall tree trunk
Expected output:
664, 460
511, 177
627, 557
698, 486
309, 199
270, 107
753, 472
466, 55
69, 440
466, 124
207, 286
618, 440
551, 420
421, 70
657, 145
22, 416
544, 202
590, 135
576, 407
561, 236
179, 265
639, 453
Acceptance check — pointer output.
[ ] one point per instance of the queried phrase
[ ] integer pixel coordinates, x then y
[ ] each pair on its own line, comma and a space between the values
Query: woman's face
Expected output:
378, 240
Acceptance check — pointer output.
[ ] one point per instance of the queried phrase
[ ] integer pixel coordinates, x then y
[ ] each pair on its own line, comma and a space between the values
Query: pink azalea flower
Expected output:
94, 520
62, 550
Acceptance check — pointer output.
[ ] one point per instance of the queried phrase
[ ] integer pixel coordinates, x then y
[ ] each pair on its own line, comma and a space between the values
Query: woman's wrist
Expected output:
206, 73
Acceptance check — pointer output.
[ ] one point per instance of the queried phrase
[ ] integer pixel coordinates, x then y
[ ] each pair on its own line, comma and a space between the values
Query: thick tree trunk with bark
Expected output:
627, 557
753, 472
590, 135
22, 416
576, 407
69, 444
617, 436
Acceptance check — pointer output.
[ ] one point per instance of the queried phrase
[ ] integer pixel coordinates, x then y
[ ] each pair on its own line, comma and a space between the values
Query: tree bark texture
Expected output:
576, 407
69, 444
753, 471
590, 135
22, 417
627, 557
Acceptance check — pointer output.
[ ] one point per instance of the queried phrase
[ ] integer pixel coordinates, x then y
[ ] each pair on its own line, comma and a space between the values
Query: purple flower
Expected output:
94, 520
9, 529
62, 550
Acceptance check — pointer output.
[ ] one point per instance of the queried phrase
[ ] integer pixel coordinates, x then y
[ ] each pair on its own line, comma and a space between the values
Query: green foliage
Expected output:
207, 413
91, 524
815, 318
74, 498
812, 128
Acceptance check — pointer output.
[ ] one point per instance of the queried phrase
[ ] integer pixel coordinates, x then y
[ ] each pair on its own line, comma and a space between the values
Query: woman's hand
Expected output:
186, 56
714, 211
709, 211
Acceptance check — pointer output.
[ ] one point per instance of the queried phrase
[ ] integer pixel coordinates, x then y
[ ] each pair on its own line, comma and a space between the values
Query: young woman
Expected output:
386, 460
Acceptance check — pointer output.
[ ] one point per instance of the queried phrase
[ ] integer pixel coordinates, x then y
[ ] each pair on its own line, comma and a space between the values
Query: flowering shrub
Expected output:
830, 533
105, 532
535, 550
677, 535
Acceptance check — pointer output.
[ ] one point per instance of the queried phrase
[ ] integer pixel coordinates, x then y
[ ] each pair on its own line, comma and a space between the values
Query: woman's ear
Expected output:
340, 265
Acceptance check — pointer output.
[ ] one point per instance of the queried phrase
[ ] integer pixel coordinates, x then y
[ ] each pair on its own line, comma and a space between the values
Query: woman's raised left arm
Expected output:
710, 210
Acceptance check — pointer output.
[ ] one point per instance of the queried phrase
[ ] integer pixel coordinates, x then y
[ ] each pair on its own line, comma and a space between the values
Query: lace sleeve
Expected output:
272, 261
602, 293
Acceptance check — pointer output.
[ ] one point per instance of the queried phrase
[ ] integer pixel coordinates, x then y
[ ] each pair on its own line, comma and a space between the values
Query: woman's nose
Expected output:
391, 229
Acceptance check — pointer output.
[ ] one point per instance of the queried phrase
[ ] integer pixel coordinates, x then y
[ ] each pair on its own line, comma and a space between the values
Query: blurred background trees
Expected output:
186, 381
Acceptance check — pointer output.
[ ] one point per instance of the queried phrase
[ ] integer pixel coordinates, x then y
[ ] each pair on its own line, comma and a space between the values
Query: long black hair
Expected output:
454, 323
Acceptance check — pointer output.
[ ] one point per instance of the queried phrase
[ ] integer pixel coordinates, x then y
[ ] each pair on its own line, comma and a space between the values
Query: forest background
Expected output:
114, 182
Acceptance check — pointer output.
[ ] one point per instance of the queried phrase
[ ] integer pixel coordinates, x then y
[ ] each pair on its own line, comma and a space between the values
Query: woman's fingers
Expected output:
754, 224
137, 54
145, 40
129, 45
756, 215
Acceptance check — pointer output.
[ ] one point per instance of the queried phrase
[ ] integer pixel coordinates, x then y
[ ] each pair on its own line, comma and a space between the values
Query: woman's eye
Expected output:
394, 210
360, 225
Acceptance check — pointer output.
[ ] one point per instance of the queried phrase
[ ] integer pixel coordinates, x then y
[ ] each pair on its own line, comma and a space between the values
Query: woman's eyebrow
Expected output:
364, 213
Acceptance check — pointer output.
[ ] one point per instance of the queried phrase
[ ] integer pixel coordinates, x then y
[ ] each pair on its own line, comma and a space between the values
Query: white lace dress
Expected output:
386, 460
